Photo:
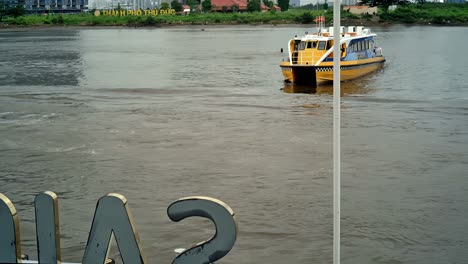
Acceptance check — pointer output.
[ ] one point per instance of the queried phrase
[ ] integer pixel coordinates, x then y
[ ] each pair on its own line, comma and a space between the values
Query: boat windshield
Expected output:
302, 45
311, 44
322, 45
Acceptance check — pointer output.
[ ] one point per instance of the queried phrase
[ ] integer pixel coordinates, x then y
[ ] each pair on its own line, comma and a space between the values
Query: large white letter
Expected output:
223, 218
10, 246
47, 228
112, 216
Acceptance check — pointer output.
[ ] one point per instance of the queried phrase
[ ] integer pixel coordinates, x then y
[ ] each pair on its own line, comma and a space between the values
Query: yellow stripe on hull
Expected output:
349, 70
287, 72
349, 74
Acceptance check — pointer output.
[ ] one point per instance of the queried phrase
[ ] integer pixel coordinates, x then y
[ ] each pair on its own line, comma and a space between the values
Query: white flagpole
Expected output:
336, 132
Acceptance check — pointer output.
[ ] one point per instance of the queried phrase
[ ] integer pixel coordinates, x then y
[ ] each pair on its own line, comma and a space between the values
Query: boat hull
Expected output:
303, 74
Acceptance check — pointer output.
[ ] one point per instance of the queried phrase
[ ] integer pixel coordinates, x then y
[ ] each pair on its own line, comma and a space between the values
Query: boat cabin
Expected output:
310, 49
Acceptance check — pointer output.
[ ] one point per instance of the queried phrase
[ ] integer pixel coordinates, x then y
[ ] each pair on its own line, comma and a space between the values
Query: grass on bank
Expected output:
434, 13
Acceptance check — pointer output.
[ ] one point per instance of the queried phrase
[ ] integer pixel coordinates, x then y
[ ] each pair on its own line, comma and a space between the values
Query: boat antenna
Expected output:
320, 23
336, 131
317, 25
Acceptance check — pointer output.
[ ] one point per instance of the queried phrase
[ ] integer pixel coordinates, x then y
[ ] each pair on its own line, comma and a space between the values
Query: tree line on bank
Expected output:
418, 13
15, 11
206, 5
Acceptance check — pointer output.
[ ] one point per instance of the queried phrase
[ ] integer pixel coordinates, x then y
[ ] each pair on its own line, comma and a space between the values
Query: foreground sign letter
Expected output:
10, 247
112, 216
223, 218
47, 228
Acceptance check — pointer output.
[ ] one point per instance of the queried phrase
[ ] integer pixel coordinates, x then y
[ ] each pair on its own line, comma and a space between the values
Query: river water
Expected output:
160, 114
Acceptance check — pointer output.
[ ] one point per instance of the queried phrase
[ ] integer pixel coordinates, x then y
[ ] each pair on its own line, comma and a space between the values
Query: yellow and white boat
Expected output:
310, 57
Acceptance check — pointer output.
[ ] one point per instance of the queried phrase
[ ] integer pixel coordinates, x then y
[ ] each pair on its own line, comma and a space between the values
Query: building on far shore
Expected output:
43, 6
186, 9
297, 3
236, 6
361, 10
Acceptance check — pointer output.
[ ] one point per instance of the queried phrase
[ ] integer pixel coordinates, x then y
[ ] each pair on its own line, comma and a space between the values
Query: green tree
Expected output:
2, 10
253, 5
268, 3
284, 4
381, 2
305, 18
176, 5
193, 5
16, 11
119, 8
165, 5
206, 5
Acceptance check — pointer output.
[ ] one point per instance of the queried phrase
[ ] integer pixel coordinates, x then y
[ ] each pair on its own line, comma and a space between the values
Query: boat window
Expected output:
360, 46
322, 45
296, 45
367, 44
302, 45
311, 44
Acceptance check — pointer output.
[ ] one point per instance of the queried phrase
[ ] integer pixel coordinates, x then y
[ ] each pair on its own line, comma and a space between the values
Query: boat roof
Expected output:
347, 33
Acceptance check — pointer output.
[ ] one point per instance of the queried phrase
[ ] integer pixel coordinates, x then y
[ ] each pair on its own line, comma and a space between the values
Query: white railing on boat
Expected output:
308, 60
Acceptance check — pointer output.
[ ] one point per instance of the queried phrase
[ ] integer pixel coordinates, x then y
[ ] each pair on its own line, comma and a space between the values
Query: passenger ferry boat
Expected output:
310, 57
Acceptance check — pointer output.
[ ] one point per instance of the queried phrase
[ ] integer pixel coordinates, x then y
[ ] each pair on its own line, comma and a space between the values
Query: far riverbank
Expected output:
420, 14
